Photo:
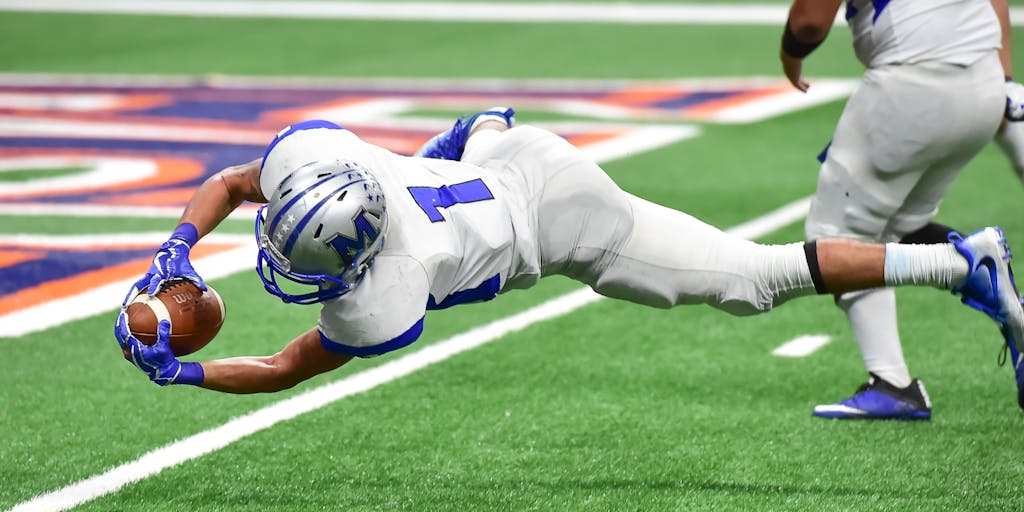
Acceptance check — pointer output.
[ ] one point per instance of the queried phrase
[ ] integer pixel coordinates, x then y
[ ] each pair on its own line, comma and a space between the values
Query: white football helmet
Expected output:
322, 227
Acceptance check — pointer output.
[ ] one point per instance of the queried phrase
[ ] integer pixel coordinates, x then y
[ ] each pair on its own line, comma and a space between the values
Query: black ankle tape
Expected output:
811, 252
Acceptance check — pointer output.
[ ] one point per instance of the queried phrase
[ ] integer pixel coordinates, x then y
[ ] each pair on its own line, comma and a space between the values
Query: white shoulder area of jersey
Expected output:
304, 146
389, 300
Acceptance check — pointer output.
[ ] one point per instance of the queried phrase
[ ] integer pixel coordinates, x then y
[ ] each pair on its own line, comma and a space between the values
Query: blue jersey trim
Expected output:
402, 340
824, 153
879, 7
311, 124
486, 291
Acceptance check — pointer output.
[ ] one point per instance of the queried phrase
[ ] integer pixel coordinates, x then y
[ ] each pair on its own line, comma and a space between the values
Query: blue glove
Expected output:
171, 261
1014, 101
156, 361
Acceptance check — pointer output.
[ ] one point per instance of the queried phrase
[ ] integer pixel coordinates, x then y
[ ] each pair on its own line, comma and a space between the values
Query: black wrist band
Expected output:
794, 47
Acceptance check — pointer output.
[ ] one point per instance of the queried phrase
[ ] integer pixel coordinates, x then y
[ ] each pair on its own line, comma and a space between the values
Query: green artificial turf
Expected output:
611, 407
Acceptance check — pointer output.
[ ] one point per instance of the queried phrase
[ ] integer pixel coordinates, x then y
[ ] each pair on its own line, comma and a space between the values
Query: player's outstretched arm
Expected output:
807, 26
303, 358
211, 203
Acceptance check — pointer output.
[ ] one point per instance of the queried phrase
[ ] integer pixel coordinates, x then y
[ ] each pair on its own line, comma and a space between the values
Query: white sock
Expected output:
872, 314
938, 265
1011, 140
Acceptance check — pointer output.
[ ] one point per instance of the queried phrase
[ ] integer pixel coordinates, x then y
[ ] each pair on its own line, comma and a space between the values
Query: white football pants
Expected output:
625, 247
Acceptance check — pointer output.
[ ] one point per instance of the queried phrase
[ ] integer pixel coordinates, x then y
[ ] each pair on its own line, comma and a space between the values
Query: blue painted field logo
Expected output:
76, 146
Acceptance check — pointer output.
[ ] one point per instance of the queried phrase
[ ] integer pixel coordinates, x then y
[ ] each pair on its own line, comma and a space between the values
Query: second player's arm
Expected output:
303, 358
807, 26
1002, 9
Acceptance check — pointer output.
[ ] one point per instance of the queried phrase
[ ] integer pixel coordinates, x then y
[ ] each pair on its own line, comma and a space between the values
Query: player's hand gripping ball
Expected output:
195, 315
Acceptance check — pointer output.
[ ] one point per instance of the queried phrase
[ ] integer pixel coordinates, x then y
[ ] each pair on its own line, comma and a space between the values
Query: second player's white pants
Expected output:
904, 136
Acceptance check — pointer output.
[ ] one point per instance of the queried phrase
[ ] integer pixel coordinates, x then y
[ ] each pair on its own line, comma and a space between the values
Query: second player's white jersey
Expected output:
911, 31
450, 239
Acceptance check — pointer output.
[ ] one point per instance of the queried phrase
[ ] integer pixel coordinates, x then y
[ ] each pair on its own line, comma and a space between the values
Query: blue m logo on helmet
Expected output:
349, 248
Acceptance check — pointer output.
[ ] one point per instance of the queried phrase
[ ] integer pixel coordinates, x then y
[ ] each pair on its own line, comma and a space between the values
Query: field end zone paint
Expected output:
98, 300
802, 346
260, 419
134, 190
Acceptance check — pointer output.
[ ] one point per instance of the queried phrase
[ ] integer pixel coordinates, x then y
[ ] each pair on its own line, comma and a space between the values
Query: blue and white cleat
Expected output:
989, 288
450, 144
877, 399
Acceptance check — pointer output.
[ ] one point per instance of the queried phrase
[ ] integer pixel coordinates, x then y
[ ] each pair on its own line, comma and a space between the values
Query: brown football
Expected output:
195, 315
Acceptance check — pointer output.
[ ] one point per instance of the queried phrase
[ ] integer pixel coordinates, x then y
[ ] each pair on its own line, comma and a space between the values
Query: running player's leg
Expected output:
901, 141
841, 209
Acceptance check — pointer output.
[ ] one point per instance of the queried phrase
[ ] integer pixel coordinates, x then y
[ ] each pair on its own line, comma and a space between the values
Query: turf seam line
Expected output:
802, 346
211, 440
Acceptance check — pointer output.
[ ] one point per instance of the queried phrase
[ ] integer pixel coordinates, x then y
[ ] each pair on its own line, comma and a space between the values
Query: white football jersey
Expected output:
910, 31
450, 239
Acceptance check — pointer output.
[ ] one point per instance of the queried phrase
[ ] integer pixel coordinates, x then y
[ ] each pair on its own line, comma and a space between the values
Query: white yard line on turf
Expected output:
802, 346
238, 428
776, 105
535, 12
